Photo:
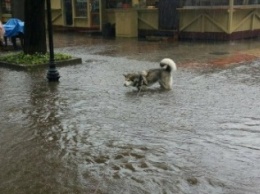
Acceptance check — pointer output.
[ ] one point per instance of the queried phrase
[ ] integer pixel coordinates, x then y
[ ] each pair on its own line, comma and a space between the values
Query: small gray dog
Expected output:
149, 77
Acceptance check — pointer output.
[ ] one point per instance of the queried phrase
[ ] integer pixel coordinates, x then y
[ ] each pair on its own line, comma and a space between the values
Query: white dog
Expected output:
161, 75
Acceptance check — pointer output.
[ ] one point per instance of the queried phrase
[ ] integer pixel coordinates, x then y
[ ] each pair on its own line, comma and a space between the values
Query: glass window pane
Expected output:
81, 8
6, 6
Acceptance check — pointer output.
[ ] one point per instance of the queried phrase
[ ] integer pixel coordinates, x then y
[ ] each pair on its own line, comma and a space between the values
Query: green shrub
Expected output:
31, 60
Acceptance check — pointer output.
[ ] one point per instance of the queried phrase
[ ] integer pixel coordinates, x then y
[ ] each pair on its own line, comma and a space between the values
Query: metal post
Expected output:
52, 74
230, 16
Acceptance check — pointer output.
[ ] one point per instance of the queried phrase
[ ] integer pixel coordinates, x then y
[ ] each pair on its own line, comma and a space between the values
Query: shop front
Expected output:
77, 14
219, 19
135, 18
128, 17
195, 19
192, 19
131, 16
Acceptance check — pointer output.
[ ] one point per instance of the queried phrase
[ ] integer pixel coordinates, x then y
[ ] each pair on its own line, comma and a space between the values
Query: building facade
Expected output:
192, 19
219, 19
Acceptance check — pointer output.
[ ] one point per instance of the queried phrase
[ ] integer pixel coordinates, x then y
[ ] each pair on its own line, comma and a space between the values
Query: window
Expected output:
81, 8
6, 6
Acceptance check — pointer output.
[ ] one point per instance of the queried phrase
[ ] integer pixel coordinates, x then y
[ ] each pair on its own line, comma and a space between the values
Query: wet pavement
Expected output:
89, 134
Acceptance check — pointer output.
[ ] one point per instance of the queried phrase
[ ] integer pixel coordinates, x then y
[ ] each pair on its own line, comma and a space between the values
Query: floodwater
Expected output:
89, 134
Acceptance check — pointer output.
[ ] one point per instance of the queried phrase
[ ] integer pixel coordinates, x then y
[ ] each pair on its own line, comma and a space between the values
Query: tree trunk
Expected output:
35, 30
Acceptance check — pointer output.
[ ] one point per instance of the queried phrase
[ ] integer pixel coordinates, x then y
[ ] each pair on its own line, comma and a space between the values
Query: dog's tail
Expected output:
168, 64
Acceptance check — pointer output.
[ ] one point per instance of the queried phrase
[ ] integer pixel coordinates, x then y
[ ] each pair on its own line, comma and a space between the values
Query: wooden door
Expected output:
68, 12
94, 6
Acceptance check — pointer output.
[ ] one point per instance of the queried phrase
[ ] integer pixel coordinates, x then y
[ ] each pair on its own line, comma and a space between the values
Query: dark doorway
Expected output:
68, 12
168, 14
95, 13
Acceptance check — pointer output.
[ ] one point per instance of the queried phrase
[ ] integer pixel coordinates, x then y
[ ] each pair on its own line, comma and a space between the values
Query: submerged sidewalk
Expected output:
225, 60
187, 54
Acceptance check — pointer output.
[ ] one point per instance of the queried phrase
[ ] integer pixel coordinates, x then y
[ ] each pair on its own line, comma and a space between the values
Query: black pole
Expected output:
52, 74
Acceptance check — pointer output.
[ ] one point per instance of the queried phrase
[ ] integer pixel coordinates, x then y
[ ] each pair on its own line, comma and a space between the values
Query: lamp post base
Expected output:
53, 75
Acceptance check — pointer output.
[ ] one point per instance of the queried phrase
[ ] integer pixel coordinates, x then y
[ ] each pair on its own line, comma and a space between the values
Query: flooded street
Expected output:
89, 134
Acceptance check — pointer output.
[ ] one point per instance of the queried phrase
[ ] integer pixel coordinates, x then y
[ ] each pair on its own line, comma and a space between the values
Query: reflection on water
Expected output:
89, 134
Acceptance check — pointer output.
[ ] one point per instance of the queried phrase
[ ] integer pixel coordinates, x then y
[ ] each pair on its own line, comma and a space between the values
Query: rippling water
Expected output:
89, 134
